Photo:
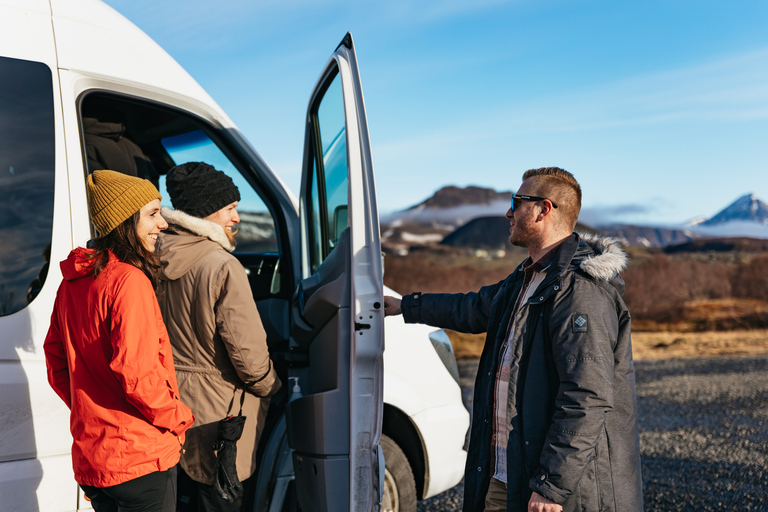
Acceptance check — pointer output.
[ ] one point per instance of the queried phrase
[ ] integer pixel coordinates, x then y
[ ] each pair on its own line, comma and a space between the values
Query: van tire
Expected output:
399, 484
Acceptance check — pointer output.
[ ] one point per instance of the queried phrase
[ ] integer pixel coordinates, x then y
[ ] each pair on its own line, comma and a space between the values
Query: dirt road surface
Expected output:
703, 434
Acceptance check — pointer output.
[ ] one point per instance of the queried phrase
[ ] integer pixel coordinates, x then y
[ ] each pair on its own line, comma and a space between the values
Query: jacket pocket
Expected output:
589, 487
604, 474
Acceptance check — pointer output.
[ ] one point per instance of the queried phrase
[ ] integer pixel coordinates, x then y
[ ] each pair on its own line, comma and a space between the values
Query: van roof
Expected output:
94, 39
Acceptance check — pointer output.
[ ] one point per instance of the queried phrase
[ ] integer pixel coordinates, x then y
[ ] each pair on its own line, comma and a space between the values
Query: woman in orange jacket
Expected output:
109, 358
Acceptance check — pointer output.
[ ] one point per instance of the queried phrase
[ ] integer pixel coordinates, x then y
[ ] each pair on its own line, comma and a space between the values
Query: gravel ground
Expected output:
703, 434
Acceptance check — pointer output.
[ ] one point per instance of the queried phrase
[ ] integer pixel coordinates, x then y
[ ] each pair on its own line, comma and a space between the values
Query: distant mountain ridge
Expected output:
474, 217
452, 196
489, 233
648, 236
449, 208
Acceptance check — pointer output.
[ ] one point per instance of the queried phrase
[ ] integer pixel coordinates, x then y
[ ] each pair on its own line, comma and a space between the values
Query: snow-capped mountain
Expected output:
747, 208
443, 215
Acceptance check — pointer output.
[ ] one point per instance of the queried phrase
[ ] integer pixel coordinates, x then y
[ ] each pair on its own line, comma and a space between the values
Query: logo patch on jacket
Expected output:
580, 323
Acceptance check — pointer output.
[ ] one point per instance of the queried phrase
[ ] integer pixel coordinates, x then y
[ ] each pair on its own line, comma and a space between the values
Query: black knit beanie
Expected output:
199, 190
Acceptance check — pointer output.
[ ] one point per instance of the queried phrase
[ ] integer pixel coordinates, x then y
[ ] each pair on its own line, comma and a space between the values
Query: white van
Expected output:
81, 88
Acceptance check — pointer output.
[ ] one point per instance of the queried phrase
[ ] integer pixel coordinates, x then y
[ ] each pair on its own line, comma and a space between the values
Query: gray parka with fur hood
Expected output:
572, 410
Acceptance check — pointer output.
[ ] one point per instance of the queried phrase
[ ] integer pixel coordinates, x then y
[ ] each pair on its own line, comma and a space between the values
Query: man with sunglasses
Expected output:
554, 422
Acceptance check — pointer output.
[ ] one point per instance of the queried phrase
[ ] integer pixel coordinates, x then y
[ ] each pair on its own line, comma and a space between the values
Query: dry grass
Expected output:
682, 306
668, 345
656, 345
466, 346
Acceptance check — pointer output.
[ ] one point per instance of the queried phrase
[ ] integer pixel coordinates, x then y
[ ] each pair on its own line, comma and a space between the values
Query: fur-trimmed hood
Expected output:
198, 226
608, 258
187, 240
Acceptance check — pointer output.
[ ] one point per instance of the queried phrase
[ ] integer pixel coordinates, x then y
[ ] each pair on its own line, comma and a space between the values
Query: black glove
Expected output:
225, 479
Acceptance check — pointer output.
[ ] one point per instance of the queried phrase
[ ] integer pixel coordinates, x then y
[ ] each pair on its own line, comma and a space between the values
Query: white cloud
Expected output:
730, 89
733, 89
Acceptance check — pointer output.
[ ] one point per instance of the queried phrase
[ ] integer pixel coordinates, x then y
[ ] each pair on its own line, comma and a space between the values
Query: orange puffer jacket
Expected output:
109, 359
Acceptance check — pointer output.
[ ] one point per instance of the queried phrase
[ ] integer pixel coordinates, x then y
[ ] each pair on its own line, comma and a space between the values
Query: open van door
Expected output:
335, 410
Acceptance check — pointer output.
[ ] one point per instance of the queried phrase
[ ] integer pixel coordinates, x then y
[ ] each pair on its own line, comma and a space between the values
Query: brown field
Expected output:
667, 345
657, 345
683, 306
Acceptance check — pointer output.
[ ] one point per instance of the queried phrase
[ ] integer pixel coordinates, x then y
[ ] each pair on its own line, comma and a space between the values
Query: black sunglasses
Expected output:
517, 198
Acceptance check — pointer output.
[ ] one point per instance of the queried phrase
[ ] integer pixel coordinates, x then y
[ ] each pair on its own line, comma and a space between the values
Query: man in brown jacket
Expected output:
219, 344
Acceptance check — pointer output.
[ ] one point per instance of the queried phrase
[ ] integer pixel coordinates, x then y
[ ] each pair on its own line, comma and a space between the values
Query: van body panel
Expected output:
26, 32
36, 6
35, 465
443, 430
91, 37
52, 477
419, 385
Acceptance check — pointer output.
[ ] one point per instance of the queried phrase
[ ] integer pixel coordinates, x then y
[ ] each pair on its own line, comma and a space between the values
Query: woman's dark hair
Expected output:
124, 243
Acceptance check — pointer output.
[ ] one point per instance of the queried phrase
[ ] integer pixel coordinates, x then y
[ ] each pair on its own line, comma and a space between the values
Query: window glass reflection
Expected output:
26, 180
328, 201
333, 136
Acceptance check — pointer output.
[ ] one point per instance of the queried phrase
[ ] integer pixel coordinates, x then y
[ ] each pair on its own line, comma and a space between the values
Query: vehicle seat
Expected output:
107, 147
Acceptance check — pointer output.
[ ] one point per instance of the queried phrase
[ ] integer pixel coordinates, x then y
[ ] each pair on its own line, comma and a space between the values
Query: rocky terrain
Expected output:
703, 434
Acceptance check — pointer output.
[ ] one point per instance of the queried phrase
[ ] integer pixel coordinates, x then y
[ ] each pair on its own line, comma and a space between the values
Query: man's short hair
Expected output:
560, 187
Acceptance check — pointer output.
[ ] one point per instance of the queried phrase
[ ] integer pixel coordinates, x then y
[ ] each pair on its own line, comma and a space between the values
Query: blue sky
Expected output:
659, 108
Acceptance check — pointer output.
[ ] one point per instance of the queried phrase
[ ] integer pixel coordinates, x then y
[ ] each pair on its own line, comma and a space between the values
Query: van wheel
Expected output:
399, 484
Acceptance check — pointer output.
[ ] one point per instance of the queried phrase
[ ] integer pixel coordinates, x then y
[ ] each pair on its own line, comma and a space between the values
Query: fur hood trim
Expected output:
609, 258
198, 226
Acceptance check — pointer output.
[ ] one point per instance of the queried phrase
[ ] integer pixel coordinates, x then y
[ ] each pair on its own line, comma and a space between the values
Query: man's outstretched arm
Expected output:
462, 312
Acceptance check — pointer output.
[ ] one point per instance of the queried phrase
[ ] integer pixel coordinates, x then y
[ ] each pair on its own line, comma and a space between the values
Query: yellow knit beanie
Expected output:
113, 197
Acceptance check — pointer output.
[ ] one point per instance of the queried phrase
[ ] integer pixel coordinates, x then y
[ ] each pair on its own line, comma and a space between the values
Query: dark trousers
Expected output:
197, 497
155, 492
496, 498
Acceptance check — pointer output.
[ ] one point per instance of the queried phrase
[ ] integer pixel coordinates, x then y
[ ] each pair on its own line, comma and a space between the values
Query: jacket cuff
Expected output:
267, 385
410, 305
541, 484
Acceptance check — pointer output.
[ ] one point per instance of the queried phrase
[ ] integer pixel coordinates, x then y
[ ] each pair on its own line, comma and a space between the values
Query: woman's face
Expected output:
227, 217
150, 224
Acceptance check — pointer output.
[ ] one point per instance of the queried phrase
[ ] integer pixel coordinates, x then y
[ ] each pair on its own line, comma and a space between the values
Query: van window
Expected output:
328, 204
146, 140
26, 180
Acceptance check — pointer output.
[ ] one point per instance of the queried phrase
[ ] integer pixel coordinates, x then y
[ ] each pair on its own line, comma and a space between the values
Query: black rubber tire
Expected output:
400, 473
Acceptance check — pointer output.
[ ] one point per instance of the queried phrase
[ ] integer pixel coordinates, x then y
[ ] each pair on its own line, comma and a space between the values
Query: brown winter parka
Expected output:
219, 343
